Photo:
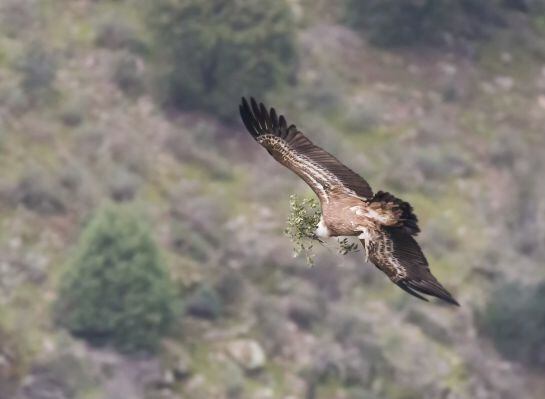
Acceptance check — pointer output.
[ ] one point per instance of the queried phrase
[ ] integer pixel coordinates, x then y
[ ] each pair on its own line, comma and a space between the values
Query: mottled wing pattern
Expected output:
399, 256
406, 219
319, 169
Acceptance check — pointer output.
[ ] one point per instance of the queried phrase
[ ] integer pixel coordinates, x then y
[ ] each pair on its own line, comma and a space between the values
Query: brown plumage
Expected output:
384, 223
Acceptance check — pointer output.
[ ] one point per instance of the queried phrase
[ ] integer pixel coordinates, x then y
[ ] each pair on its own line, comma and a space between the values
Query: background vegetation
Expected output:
134, 103
208, 53
117, 289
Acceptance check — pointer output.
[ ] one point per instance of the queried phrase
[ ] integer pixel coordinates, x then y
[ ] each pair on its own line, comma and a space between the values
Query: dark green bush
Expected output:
14, 364
531, 6
40, 192
123, 185
205, 302
73, 113
211, 52
38, 67
407, 22
231, 287
127, 75
117, 290
515, 321
115, 32
18, 17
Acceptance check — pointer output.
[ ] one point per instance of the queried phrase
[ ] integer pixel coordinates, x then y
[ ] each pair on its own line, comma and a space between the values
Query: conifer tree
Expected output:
117, 290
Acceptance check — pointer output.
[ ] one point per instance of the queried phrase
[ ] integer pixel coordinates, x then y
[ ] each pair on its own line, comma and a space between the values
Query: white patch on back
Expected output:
370, 213
365, 235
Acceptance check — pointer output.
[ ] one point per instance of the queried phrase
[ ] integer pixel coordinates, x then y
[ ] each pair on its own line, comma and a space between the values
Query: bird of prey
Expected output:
385, 224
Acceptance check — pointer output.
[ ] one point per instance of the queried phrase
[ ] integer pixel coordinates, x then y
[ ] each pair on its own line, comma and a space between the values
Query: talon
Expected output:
316, 238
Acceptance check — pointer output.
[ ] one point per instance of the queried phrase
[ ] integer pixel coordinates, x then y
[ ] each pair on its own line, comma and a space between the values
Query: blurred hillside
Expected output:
135, 103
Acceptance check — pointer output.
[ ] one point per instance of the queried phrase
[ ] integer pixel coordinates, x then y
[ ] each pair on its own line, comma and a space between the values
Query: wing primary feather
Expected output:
257, 114
292, 130
274, 118
324, 167
244, 102
403, 285
249, 121
244, 117
432, 288
398, 255
265, 116
283, 125
246, 107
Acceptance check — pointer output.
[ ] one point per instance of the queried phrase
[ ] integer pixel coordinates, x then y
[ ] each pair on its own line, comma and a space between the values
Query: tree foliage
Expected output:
211, 52
515, 321
301, 226
117, 290
38, 68
407, 22
13, 360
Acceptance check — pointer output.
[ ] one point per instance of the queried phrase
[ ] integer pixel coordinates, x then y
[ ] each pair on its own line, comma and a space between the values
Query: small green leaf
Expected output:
301, 224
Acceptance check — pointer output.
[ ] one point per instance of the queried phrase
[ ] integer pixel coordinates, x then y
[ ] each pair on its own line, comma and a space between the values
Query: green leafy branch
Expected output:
301, 225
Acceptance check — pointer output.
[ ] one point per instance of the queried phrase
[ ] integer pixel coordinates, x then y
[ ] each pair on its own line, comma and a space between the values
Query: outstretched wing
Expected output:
318, 168
399, 256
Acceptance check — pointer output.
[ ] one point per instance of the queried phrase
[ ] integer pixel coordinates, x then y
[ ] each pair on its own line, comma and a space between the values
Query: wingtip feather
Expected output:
259, 120
247, 118
431, 288
404, 286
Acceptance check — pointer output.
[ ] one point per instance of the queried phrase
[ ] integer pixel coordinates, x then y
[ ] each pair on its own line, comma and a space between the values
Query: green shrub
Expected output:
123, 185
73, 113
14, 359
406, 22
40, 192
117, 290
231, 288
115, 32
301, 224
515, 321
529, 6
211, 52
18, 17
205, 302
38, 68
127, 75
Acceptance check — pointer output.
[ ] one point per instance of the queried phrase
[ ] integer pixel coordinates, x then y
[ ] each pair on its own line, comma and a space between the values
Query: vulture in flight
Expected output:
385, 224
